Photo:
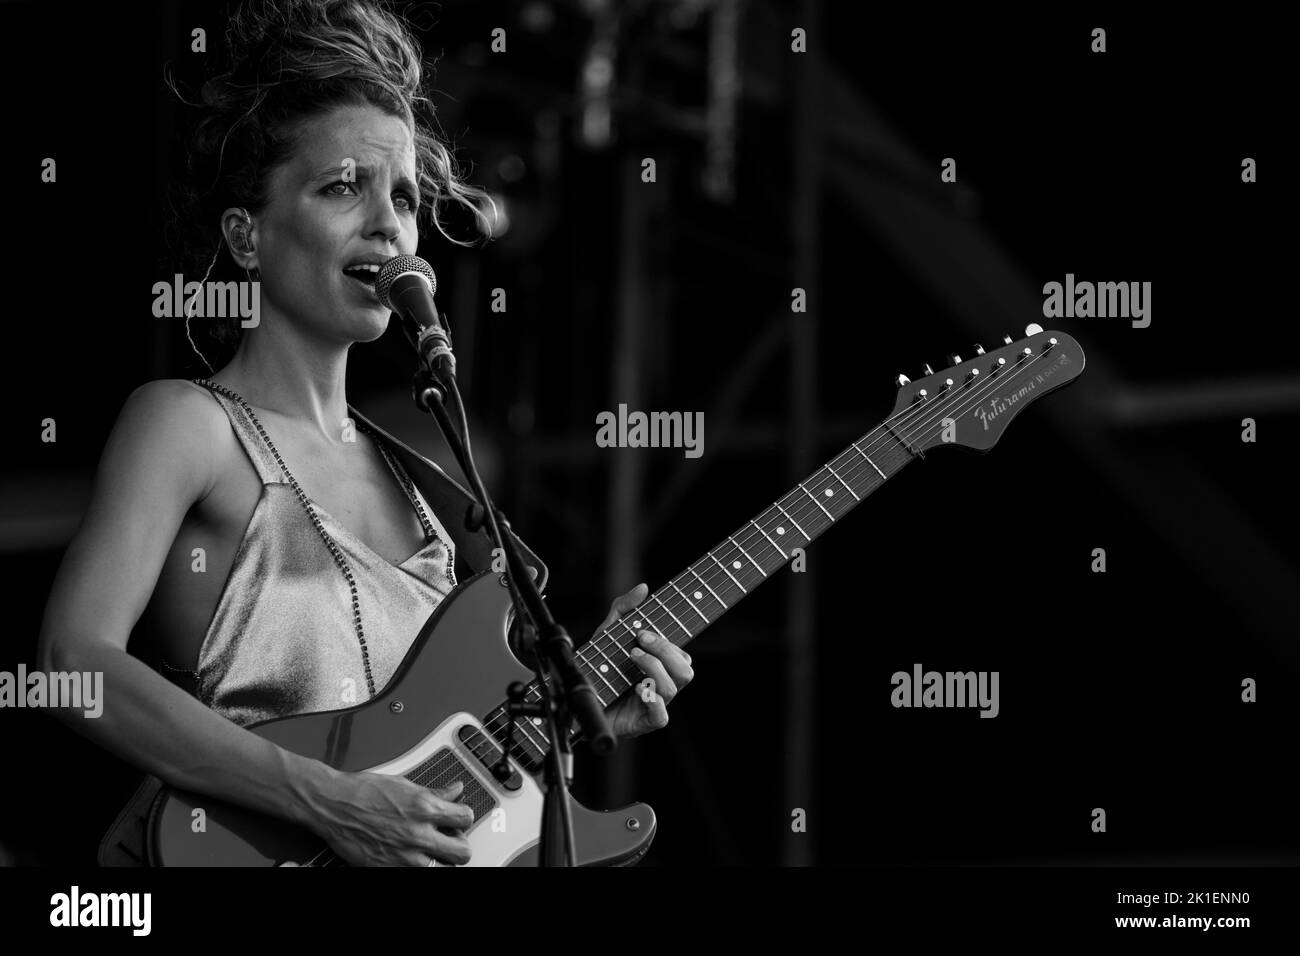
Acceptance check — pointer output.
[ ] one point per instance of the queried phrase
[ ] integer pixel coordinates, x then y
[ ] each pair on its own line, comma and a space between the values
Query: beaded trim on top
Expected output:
335, 552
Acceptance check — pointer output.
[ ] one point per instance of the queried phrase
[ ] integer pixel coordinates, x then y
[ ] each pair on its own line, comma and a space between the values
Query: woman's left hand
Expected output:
665, 670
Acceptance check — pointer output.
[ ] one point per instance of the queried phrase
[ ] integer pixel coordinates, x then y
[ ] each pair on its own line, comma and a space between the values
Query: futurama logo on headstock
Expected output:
998, 404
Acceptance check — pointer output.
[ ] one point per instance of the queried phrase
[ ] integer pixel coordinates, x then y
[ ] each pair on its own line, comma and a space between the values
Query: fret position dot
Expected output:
698, 595
829, 492
636, 623
537, 721
736, 565
604, 668
780, 530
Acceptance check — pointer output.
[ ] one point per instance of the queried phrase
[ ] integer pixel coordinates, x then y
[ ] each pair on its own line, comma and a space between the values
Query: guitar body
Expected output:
458, 666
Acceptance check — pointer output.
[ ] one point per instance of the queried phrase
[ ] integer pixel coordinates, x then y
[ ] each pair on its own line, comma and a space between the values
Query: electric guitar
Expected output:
441, 719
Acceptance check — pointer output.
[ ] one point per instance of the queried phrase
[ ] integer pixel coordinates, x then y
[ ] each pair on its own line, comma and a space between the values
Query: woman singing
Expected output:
312, 165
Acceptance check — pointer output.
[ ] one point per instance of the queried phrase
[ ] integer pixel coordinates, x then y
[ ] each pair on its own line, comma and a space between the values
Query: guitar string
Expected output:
811, 507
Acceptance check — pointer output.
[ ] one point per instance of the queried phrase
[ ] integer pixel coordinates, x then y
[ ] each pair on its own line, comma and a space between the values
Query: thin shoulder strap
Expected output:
403, 476
255, 446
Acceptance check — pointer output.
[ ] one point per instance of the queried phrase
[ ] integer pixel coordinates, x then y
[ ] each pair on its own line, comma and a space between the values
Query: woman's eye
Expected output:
402, 200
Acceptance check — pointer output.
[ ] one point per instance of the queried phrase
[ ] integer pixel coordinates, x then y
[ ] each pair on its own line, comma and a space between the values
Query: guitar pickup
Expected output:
488, 752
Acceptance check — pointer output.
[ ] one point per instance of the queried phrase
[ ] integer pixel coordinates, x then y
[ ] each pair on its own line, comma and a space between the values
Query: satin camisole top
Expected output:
282, 639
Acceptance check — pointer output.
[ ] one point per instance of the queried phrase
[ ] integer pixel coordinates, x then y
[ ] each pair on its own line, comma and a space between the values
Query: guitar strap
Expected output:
452, 502
125, 843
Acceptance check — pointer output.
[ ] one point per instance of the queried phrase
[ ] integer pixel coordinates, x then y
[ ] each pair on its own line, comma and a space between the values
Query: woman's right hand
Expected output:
373, 819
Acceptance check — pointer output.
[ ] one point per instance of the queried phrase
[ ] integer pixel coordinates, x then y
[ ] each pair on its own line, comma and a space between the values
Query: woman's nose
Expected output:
384, 220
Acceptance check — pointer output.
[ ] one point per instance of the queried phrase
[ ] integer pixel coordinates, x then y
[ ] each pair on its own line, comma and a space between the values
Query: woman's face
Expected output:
347, 195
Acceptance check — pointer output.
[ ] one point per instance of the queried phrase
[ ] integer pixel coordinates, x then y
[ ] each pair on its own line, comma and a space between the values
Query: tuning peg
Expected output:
954, 358
979, 349
902, 380
1033, 328
926, 368
1006, 340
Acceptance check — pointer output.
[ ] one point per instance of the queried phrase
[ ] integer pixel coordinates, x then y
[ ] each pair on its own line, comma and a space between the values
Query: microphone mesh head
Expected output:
400, 266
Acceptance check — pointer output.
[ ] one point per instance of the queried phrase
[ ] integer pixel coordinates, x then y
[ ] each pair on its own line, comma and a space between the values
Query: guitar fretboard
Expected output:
714, 584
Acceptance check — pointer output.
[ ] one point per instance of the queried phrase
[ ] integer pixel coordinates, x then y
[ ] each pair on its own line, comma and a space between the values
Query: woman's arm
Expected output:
159, 462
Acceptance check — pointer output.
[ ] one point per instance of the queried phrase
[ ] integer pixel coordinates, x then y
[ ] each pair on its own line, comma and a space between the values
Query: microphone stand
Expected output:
565, 692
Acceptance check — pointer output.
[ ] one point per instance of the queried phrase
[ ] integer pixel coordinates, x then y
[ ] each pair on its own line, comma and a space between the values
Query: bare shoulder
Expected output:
160, 458
176, 405
176, 389
176, 422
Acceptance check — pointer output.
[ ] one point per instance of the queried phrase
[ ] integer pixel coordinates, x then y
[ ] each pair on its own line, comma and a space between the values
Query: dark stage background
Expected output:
1119, 690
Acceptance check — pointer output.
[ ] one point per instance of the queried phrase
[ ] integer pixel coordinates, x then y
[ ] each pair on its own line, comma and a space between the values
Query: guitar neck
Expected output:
740, 563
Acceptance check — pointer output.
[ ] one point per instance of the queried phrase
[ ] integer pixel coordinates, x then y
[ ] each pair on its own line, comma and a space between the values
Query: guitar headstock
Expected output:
972, 402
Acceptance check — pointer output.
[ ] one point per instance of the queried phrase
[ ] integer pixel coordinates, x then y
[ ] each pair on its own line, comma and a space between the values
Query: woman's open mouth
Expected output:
363, 274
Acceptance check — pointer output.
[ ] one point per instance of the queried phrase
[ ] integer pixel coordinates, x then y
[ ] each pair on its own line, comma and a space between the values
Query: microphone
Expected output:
406, 284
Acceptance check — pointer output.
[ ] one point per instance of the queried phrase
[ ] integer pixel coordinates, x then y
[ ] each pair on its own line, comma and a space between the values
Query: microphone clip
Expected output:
434, 347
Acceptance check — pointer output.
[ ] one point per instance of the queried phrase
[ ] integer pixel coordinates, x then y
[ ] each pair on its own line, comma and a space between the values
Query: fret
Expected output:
746, 554
596, 644
729, 554
688, 601
622, 621
632, 631
869, 461
525, 749
843, 482
596, 670
706, 584
728, 573
650, 624
793, 522
828, 494
769, 539
530, 729
685, 629
815, 501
